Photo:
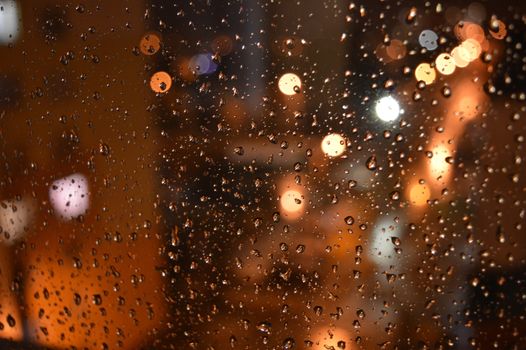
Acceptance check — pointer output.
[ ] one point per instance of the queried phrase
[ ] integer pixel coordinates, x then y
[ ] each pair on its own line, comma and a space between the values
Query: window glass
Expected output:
262, 174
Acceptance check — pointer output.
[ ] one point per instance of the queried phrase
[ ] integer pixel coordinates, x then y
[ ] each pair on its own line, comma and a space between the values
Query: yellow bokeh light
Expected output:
289, 84
333, 145
292, 202
445, 64
460, 54
419, 194
471, 50
439, 168
424, 72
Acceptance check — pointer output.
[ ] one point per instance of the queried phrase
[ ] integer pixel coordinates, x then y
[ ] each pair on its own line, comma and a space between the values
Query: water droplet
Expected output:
10, 320
288, 344
446, 91
264, 327
371, 163
411, 15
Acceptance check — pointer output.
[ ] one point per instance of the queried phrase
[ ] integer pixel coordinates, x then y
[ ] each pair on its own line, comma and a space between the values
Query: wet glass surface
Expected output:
262, 175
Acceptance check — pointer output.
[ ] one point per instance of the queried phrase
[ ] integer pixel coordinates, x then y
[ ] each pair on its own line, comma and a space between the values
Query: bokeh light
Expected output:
333, 145
471, 50
382, 244
289, 84
497, 29
445, 64
150, 43
439, 167
461, 56
9, 22
424, 72
428, 39
387, 109
419, 194
161, 82
15, 218
202, 64
292, 202
69, 196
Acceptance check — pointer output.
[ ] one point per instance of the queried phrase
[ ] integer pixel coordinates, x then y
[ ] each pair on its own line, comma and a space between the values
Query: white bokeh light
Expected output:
69, 196
387, 109
9, 22
381, 246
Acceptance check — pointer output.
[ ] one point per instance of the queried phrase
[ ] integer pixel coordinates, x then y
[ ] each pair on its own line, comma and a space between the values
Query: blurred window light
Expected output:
10, 22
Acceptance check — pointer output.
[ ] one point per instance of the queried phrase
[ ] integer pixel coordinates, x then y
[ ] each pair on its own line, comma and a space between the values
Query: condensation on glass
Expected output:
262, 174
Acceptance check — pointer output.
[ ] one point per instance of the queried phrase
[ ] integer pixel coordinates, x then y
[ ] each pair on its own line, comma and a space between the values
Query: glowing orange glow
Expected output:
333, 145
500, 27
424, 72
474, 31
150, 43
468, 107
439, 167
289, 84
330, 338
396, 50
9, 309
161, 82
419, 194
468, 30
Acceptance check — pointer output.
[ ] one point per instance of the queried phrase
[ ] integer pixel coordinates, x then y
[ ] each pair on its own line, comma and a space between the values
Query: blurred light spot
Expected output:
497, 29
396, 50
161, 82
445, 64
381, 247
289, 84
69, 196
461, 56
475, 32
424, 72
9, 22
476, 12
292, 201
428, 39
202, 64
15, 217
381, 53
387, 109
419, 194
439, 168
333, 145
222, 45
335, 338
472, 50
150, 43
